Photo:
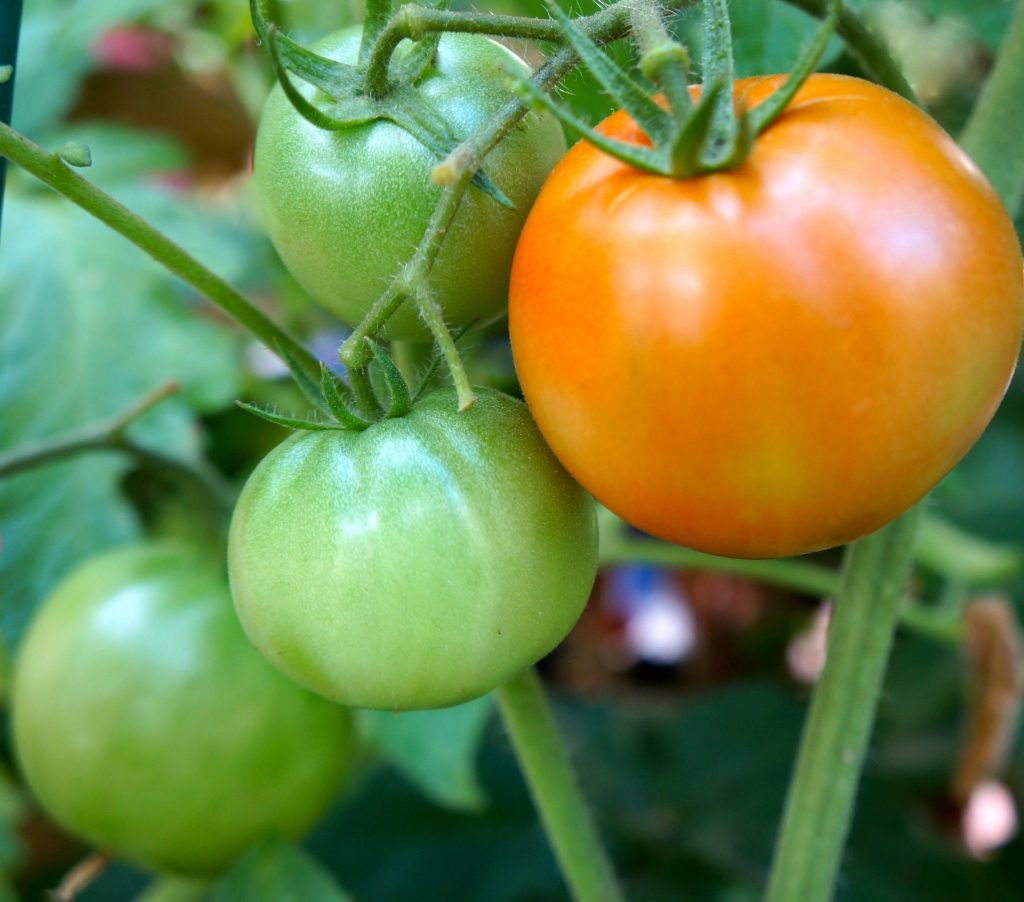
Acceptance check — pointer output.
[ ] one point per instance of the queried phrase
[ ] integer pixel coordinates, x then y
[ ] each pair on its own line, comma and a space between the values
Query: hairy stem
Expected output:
549, 775
52, 171
455, 173
819, 807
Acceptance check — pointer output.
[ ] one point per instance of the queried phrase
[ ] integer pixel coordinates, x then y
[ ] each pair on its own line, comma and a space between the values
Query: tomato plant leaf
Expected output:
85, 336
435, 750
277, 871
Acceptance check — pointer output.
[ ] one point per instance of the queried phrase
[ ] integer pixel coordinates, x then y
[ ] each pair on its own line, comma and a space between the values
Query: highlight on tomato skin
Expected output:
780, 358
417, 564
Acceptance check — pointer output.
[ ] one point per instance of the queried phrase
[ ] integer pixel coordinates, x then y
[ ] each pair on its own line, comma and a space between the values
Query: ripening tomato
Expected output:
146, 723
346, 208
417, 564
778, 358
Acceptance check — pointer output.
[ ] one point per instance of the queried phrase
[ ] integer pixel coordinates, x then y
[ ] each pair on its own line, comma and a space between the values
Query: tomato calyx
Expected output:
338, 407
687, 136
342, 99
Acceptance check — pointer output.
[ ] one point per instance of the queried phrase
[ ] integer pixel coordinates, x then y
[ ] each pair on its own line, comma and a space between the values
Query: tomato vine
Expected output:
870, 590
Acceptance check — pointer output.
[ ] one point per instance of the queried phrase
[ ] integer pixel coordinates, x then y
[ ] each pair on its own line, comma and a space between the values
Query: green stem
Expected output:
363, 393
549, 775
869, 49
52, 171
431, 313
110, 435
796, 575
819, 807
662, 60
414, 22
994, 134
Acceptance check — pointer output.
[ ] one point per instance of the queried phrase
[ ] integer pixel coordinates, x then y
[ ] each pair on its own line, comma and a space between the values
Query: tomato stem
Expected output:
110, 435
553, 786
363, 393
53, 171
995, 131
431, 313
819, 807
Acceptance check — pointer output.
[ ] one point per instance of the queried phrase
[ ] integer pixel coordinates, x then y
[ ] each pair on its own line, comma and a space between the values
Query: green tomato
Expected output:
417, 564
145, 722
345, 209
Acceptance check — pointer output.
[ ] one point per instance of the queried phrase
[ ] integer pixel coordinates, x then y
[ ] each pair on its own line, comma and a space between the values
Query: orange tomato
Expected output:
782, 357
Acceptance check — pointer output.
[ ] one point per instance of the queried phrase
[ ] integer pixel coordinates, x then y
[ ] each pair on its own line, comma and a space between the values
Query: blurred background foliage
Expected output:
682, 690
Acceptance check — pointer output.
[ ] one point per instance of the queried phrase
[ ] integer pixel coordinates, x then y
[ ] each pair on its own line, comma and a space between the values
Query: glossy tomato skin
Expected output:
418, 564
345, 209
145, 722
780, 358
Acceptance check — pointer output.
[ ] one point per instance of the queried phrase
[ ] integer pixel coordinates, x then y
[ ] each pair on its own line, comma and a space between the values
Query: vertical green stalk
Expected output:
10, 26
820, 803
994, 133
545, 764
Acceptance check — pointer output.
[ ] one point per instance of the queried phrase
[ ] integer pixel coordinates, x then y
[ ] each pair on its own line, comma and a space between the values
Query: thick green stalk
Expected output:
53, 171
549, 775
994, 136
820, 803
869, 49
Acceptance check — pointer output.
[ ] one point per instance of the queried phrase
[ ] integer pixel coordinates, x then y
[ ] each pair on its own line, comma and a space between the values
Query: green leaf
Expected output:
277, 871
435, 750
84, 336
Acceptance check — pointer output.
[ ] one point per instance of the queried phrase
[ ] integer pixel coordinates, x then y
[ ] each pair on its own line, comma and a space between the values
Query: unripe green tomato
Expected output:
417, 564
346, 208
146, 723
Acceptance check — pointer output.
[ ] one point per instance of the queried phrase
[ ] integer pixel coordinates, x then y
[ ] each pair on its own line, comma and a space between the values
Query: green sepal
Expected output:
303, 107
398, 389
287, 422
691, 139
764, 114
732, 155
626, 93
339, 401
718, 67
404, 105
307, 385
640, 157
